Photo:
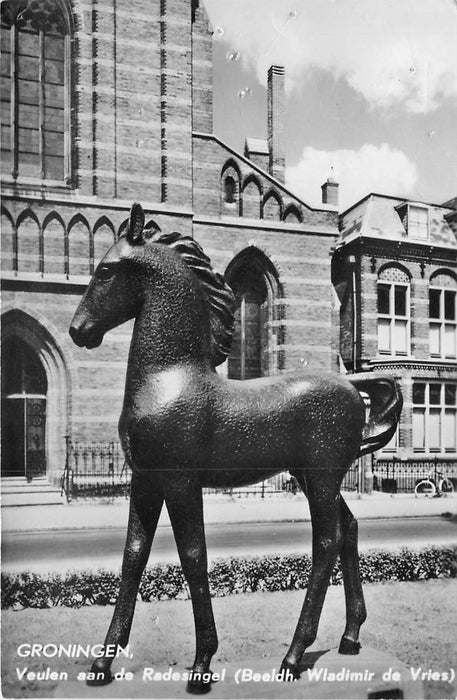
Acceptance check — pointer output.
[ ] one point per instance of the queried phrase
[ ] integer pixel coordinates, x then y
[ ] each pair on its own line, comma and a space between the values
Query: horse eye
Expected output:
104, 273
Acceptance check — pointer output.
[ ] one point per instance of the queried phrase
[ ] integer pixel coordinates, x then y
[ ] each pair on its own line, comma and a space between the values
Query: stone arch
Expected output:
251, 197
255, 282
443, 278
29, 242
8, 241
122, 228
54, 244
272, 206
394, 272
79, 246
152, 225
104, 236
292, 214
43, 340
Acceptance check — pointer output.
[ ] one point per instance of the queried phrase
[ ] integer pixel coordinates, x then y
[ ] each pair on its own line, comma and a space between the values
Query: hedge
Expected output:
226, 576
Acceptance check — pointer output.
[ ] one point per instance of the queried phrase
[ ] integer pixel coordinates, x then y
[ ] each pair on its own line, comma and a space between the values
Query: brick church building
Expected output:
110, 102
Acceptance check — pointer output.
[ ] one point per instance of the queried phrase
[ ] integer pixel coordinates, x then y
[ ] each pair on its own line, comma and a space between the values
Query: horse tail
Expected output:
386, 403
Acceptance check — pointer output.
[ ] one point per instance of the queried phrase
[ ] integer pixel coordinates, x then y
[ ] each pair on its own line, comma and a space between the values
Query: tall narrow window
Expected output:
34, 110
230, 190
245, 361
435, 417
443, 317
255, 339
393, 312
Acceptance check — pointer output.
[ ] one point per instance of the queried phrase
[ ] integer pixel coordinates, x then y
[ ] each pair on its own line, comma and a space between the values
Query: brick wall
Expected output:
141, 81
202, 73
302, 263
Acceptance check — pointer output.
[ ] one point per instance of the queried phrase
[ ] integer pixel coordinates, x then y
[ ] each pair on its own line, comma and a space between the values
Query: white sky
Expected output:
371, 90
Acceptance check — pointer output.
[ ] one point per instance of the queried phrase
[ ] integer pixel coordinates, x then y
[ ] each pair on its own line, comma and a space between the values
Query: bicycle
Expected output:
434, 486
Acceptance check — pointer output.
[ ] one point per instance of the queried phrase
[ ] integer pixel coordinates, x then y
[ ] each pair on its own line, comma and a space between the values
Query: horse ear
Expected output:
136, 224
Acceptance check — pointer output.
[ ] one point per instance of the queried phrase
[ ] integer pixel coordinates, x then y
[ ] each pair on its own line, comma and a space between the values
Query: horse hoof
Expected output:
100, 678
289, 671
198, 687
349, 647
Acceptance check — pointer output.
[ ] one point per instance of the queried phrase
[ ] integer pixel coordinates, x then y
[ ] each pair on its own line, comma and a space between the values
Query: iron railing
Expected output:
98, 469
95, 469
401, 476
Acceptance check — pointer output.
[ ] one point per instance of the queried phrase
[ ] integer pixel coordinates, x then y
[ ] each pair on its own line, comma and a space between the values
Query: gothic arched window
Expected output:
35, 89
230, 190
254, 344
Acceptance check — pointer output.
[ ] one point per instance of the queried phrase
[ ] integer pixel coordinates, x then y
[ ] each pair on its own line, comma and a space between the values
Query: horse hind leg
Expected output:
355, 605
146, 502
322, 489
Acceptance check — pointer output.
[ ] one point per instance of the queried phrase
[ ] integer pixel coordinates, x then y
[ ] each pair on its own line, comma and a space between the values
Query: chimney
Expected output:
276, 122
330, 192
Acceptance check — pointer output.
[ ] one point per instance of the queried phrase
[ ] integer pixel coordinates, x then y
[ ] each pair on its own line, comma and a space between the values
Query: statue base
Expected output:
325, 675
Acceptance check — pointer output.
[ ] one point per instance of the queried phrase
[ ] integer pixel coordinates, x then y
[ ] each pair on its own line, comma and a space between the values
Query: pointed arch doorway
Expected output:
24, 398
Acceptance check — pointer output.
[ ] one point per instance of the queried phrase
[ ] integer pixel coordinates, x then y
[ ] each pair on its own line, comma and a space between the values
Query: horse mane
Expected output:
217, 293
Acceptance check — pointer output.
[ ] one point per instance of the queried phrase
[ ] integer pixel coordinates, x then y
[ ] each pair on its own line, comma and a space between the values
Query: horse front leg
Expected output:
146, 502
323, 497
183, 497
355, 605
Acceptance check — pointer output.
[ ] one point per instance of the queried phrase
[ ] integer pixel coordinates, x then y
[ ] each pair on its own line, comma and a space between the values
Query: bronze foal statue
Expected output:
184, 427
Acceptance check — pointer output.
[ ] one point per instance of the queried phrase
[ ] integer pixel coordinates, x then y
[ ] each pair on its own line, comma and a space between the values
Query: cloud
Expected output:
396, 53
370, 169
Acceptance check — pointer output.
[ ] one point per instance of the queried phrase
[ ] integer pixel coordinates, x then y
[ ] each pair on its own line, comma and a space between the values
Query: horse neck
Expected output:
172, 328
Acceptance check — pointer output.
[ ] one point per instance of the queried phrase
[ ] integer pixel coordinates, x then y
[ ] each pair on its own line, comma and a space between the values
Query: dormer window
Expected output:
418, 222
415, 218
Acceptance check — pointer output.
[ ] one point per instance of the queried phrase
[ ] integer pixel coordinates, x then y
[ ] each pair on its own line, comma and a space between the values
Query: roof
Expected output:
380, 217
253, 166
452, 203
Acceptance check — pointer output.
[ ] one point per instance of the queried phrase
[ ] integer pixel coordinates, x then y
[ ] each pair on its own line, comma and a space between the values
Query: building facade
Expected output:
395, 272
109, 102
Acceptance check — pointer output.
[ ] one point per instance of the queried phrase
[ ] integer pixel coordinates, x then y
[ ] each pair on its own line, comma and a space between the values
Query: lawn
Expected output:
415, 622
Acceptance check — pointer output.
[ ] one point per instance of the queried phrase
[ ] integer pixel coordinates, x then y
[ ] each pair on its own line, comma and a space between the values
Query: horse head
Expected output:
168, 268
114, 292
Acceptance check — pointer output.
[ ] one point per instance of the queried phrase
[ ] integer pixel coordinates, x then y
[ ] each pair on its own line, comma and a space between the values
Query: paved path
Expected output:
220, 509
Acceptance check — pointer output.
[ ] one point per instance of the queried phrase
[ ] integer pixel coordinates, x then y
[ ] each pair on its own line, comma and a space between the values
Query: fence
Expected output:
98, 470
401, 476
95, 469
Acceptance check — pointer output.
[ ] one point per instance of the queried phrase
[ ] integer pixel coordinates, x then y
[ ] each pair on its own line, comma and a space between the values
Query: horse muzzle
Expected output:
85, 335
